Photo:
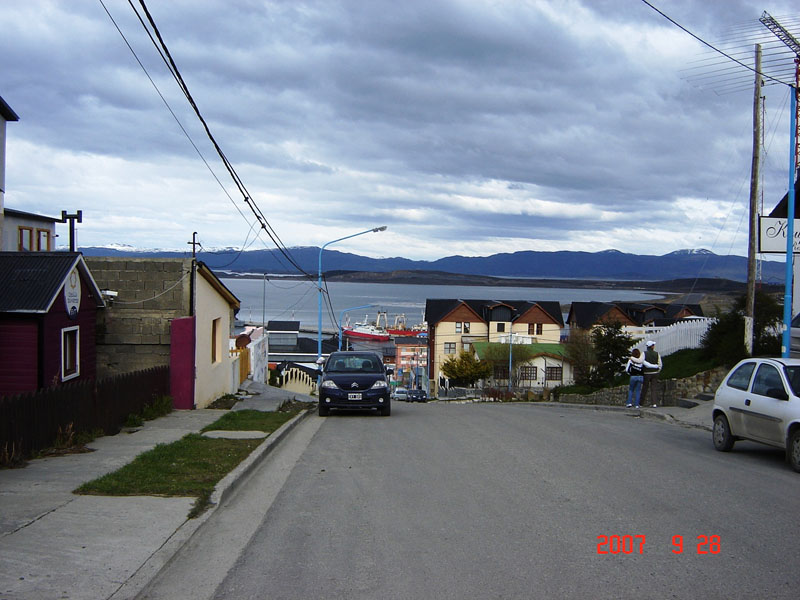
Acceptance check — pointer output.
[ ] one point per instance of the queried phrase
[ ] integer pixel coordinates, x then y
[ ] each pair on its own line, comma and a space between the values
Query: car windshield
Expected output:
793, 377
353, 363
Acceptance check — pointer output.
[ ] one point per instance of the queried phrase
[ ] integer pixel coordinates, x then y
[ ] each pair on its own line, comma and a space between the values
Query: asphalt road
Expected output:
501, 501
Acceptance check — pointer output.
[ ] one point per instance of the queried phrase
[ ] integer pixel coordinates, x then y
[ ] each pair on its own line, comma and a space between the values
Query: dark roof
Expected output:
587, 314
305, 346
33, 280
437, 309
32, 216
283, 325
6, 112
411, 340
781, 210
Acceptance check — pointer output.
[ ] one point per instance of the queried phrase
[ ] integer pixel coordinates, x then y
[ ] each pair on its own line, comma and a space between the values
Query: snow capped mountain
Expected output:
691, 251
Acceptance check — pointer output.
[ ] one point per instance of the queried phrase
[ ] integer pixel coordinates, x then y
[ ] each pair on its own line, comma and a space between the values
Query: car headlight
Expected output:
328, 384
379, 384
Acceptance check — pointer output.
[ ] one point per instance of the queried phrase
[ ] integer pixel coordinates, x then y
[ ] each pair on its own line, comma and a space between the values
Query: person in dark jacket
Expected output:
651, 371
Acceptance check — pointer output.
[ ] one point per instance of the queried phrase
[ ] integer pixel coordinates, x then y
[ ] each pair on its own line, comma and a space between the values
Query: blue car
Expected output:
355, 381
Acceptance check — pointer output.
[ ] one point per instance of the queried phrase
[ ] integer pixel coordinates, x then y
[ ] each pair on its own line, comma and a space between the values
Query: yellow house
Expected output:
215, 306
455, 325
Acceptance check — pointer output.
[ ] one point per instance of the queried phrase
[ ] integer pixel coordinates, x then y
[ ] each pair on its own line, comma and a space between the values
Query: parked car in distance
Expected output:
354, 380
400, 393
417, 396
759, 400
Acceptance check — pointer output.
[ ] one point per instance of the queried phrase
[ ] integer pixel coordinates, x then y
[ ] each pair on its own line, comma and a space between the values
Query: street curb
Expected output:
162, 557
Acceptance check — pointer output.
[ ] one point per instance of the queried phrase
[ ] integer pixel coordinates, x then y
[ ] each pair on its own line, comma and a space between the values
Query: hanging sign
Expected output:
772, 235
72, 293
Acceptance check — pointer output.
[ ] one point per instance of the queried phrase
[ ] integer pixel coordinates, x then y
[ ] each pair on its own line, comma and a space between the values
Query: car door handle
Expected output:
747, 402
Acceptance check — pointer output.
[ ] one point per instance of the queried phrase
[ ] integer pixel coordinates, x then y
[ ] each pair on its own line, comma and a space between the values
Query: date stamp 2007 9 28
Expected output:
634, 544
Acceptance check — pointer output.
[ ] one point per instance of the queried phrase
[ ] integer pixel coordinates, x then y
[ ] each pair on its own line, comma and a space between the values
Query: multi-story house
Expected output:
455, 325
28, 232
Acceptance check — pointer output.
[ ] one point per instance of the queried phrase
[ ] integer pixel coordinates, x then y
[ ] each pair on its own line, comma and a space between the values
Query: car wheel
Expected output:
793, 450
723, 440
323, 411
386, 410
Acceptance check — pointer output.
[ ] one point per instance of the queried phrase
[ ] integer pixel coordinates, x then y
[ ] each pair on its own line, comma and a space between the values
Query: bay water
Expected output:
296, 300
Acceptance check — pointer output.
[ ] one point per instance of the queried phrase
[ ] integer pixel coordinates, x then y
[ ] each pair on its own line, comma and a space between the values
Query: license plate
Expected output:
354, 396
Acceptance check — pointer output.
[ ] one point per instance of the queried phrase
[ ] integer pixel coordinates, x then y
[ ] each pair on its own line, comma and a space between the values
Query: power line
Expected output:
714, 48
167, 57
174, 116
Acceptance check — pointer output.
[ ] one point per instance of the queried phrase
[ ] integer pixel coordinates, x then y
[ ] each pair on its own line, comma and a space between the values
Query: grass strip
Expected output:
191, 466
250, 420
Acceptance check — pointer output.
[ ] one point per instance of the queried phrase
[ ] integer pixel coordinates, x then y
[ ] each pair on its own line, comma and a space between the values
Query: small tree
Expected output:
724, 340
581, 354
612, 347
465, 369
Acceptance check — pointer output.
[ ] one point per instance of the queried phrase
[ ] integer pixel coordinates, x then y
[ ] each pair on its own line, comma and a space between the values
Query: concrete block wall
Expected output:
133, 332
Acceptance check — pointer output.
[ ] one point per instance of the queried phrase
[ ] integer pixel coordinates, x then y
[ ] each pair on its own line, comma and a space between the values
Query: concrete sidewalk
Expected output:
54, 544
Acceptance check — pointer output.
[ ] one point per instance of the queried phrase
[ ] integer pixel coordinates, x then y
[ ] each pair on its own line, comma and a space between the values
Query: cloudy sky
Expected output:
466, 126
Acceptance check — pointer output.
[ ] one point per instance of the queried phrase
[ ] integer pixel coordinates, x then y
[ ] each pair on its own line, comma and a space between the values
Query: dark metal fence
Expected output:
30, 422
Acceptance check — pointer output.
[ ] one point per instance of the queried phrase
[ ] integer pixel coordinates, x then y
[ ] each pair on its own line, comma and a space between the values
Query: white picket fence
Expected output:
678, 336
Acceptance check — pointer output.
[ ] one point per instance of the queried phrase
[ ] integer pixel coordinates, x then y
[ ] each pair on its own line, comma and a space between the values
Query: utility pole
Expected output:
194, 244
193, 278
754, 179
78, 216
794, 156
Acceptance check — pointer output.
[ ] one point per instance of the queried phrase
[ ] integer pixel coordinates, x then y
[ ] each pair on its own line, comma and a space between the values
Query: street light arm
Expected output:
319, 281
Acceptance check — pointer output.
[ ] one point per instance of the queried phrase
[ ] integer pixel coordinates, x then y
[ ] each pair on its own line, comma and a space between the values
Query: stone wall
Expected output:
133, 331
667, 391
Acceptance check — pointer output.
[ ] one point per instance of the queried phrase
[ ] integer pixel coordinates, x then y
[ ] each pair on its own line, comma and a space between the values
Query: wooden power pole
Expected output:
755, 174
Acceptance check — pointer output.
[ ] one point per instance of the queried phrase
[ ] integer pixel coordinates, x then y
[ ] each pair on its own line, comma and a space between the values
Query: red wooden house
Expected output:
48, 315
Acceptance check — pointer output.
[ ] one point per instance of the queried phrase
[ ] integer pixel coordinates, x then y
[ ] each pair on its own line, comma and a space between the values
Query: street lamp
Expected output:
319, 283
341, 316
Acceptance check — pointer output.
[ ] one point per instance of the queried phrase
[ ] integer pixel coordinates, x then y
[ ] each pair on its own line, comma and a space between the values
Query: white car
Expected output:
759, 400
400, 393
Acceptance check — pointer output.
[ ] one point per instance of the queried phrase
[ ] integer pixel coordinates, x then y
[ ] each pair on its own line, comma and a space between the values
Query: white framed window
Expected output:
216, 340
458, 326
70, 353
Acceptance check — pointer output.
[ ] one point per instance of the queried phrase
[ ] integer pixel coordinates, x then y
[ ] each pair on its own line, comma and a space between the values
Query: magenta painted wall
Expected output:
181, 362
19, 354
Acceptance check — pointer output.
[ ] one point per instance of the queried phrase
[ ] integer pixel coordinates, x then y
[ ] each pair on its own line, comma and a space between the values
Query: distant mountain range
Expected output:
605, 265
